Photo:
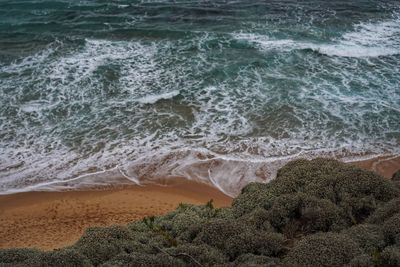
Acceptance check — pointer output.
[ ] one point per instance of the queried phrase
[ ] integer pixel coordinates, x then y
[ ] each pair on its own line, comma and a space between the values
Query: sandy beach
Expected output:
49, 220
385, 165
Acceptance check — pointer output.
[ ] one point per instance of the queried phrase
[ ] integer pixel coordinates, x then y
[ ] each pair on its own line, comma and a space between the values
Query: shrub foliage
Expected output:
315, 213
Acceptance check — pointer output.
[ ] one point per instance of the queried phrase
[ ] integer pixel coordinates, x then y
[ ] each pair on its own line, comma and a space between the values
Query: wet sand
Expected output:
49, 220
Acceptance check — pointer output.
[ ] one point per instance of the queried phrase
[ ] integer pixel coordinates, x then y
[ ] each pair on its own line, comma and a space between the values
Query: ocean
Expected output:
97, 92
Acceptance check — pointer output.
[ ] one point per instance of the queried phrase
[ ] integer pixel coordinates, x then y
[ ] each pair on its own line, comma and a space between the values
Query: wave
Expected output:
152, 99
89, 114
228, 173
366, 41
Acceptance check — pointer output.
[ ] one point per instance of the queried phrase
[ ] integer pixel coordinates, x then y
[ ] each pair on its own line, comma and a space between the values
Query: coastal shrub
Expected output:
203, 254
315, 213
215, 233
251, 260
181, 221
358, 192
14, 256
259, 218
292, 213
385, 211
391, 229
390, 257
396, 176
139, 259
254, 242
101, 244
315, 177
253, 195
62, 258
323, 249
363, 260
368, 236
224, 213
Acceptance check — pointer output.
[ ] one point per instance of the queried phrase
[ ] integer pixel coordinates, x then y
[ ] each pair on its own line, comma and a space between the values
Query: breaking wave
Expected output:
367, 40
133, 101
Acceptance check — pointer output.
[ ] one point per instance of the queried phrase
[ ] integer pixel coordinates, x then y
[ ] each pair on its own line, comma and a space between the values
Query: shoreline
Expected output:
53, 219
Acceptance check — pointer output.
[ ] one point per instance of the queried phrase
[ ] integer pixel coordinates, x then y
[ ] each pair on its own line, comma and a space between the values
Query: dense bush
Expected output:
34, 258
363, 260
101, 244
390, 257
203, 254
323, 249
217, 232
144, 260
259, 243
251, 260
298, 212
396, 176
62, 258
368, 236
391, 229
315, 213
254, 195
385, 211
356, 191
21, 256
259, 218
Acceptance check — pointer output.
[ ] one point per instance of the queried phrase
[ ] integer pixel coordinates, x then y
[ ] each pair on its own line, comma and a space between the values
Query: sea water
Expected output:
102, 92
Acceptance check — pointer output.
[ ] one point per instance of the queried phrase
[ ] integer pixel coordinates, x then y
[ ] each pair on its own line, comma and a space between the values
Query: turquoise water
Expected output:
225, 92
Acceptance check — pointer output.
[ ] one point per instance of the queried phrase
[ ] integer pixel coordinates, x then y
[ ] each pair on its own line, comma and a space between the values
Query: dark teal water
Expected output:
94, 92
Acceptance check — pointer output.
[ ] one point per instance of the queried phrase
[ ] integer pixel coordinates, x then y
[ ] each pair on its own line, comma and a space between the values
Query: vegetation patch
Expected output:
315, 213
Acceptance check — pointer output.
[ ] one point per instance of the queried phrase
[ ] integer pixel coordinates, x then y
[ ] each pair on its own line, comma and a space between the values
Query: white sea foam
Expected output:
151, 99
231, 131
367, 40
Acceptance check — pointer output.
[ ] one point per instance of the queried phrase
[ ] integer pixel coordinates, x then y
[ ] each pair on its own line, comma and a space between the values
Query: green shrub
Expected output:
224, 213
251, 260
298, 213
33, 258
391, 229
63, 258
204, 254
254, 242
101, 244
254, 195
180, 222
139, 259
368, 236
323, 249
385, 211
396, 176
363, 260
16, 256
355, 190
295, 217
316, 177
259, 218
390, 257
215, 233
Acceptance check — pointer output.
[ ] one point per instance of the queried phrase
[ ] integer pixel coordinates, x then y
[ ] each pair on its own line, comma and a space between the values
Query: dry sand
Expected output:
385, 166
49, 220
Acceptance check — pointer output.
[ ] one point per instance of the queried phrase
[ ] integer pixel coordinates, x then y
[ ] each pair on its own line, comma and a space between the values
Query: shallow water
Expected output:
219, 91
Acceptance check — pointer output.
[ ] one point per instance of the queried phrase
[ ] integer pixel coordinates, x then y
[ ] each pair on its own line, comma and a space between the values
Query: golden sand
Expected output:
49, 220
